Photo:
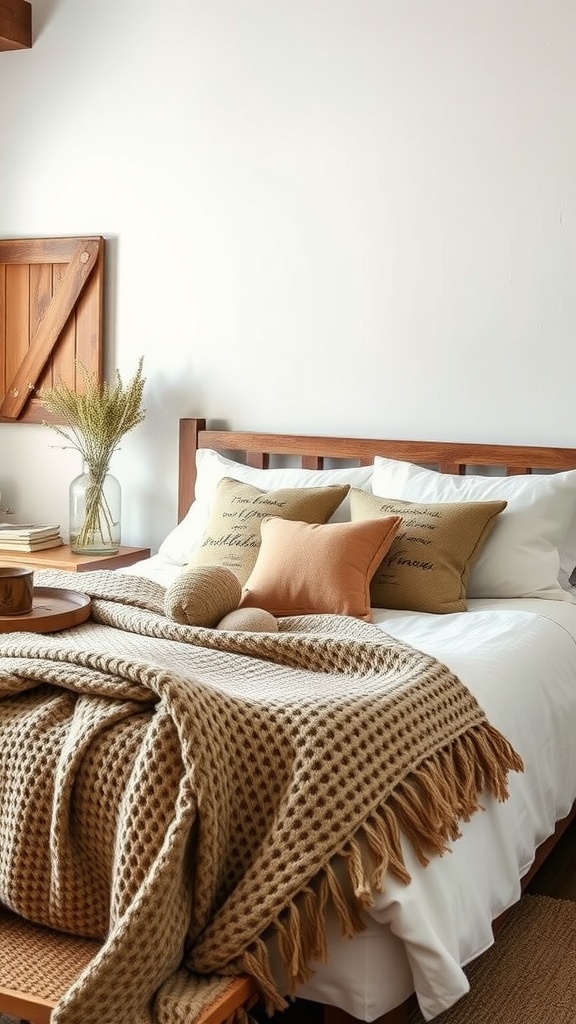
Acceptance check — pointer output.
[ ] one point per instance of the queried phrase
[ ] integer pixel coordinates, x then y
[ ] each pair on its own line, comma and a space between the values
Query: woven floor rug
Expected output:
529, 975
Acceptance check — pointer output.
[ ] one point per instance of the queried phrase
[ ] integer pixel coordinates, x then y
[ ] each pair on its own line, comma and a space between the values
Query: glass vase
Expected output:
95, 502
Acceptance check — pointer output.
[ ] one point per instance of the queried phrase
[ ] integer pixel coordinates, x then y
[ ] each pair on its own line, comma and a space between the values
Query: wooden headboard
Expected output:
256, 449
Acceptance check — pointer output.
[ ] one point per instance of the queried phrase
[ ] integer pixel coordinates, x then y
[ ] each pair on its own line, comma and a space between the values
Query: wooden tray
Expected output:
52, 609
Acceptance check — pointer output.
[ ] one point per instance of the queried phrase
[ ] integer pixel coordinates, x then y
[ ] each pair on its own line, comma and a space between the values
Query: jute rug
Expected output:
529, 975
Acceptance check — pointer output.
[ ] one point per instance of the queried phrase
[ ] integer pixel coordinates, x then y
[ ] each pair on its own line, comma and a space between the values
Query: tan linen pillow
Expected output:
311, 569
429, 562
232, 537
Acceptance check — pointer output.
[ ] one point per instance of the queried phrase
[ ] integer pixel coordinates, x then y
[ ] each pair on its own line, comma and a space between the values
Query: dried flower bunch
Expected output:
94, 424
97, 420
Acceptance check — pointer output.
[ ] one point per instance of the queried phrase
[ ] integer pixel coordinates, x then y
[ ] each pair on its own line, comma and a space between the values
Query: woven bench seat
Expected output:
37, 965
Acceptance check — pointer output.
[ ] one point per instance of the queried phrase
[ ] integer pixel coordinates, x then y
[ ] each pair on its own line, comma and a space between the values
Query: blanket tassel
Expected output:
256, 962
426, 807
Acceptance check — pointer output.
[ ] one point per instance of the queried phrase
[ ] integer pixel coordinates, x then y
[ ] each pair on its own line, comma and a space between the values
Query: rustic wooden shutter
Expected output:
51, 311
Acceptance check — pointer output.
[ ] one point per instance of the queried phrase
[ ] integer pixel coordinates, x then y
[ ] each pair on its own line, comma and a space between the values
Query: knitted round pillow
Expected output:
249, 620
202, 596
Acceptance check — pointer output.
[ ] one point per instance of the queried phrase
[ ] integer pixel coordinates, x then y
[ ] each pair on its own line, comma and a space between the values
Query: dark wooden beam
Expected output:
15, 25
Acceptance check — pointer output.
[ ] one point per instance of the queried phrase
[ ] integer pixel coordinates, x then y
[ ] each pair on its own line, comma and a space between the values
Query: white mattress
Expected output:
518, 657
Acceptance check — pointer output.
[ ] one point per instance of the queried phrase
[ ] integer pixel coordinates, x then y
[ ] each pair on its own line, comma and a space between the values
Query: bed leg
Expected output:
399, 1015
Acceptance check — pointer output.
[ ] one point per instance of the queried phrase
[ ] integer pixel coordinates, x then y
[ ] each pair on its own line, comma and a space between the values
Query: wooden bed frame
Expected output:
38, 965
311, 452
257, 449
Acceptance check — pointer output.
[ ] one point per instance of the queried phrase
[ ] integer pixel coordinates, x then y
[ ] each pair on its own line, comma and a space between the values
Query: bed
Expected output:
499, 618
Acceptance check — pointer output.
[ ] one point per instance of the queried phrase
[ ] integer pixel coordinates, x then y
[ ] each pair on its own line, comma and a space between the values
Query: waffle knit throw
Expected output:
182, 792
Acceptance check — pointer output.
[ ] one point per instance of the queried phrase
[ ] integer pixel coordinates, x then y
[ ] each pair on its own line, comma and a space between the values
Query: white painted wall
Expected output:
336, 216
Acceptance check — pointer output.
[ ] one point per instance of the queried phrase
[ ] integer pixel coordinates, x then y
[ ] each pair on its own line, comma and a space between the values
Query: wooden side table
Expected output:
62, 558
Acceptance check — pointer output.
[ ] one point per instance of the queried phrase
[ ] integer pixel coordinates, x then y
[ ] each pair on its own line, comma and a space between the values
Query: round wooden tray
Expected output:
52, 609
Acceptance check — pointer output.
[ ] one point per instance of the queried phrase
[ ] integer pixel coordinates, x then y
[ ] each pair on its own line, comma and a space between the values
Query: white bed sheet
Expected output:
518, 657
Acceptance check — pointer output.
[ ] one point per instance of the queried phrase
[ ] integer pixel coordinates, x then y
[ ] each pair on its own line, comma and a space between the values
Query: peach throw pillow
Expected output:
312, 569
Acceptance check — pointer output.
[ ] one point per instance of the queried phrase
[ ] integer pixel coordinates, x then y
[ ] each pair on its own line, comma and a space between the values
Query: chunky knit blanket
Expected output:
183, 793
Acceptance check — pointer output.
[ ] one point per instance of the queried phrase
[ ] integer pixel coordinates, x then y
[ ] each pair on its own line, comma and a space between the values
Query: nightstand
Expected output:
62, 558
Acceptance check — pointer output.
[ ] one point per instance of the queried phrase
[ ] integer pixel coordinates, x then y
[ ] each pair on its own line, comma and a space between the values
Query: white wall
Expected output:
336, 216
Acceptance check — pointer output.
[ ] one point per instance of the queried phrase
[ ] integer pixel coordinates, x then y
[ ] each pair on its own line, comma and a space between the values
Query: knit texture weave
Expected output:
183, 792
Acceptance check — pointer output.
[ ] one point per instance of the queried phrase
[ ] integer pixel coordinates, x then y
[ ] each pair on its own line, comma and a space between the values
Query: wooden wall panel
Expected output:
51, 319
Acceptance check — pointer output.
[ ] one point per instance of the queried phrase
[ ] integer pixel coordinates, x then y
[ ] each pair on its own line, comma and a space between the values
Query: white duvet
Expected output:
518, 657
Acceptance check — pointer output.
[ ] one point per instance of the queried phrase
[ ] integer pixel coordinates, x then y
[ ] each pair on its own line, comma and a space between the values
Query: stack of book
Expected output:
28, 537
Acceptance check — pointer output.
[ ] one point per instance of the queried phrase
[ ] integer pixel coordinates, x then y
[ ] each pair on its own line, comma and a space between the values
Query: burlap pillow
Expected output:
232, 537
311, 569
428, 564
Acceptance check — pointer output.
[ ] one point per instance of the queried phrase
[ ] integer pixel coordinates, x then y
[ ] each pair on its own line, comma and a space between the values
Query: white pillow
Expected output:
533, 540
211, 467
